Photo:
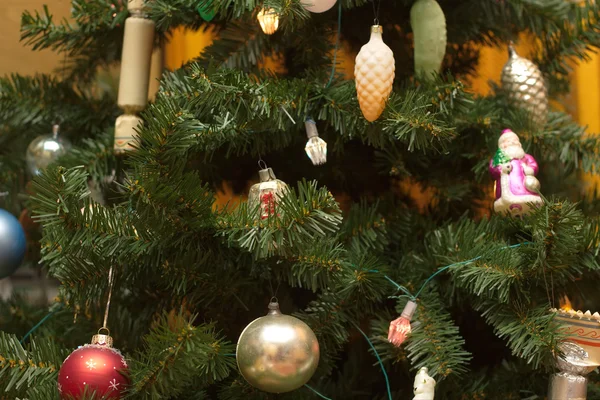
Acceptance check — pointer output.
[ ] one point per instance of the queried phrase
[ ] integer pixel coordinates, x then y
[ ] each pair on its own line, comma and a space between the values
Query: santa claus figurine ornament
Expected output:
517, 188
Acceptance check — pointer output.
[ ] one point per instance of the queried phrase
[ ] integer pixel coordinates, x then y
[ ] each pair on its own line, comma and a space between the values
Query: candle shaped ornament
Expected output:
429, 29
268, 19
374, 75
524, 83
266, 194
138, 41
316, 148
400, 327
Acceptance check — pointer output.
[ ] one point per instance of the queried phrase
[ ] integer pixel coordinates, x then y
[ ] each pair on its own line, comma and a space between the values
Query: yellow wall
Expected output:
15, 57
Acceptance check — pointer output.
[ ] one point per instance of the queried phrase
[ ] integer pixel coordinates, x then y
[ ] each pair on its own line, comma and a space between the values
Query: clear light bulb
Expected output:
316, 148
268, 20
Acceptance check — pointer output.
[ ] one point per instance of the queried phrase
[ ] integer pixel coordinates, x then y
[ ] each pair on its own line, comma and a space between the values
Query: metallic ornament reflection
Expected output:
525, 85
45, 149
277, 353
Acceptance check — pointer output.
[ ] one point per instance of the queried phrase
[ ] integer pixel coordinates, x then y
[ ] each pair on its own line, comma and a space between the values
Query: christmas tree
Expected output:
131, 228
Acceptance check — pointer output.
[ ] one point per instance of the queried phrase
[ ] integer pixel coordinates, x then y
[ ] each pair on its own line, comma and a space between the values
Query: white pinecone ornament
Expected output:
525, 85
374, 75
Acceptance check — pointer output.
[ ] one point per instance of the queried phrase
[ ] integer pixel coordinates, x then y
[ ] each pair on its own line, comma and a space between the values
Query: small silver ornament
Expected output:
571, 382
45, 149
277, 353
525, 85
267, 193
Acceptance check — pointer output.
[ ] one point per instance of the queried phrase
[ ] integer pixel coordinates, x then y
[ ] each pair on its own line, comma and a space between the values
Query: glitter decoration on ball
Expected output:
374, 75
94, 367
268, 20
400, 327
277, 353
316, 148
266, 194
429, 29
13, 243
424, 386
516, 187
524, 83
45, 149
318, 6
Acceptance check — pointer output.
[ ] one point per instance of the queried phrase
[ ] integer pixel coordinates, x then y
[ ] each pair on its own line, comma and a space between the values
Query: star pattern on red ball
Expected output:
94, 367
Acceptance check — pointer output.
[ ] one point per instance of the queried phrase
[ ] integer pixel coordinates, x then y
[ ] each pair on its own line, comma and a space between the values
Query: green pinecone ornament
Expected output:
525, 85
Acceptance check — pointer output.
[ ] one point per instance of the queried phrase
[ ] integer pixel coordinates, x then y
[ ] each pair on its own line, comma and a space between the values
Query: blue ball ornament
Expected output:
12, 244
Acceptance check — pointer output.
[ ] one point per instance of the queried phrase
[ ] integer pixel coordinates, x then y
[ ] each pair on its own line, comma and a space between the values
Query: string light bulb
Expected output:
316, 148
400, 327
268, 20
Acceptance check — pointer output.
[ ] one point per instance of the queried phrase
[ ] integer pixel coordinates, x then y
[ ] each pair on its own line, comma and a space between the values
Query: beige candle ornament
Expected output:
374, 74
156, 70
134, 82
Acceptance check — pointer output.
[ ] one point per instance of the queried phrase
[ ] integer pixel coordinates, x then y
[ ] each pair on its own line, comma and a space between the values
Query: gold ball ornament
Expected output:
525, 85
277, 353
374, 74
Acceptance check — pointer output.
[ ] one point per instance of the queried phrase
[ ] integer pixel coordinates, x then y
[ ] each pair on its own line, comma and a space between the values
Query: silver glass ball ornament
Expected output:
277, 353
45, 149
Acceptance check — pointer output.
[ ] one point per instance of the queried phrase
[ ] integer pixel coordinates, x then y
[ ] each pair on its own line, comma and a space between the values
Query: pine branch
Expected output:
304, 216
22, 369
176, 353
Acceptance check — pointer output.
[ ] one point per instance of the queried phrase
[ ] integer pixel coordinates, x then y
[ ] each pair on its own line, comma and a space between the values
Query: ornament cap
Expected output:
511, 50
55, 130
266, 175
101, 339
409, 310
376, 29
274, 307
311, 128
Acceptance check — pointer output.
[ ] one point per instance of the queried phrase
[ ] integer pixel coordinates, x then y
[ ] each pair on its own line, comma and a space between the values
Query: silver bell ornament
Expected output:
277, 353
524, 83
316, 148
266, 193
45, 149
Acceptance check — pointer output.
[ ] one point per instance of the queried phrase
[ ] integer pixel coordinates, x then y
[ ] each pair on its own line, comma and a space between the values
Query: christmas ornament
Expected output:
268, 20
138, 41
525, 85
45, 149
267, 193
12, 243
374, 75
318, 6
424, 386
516, 186
400, 327
571, 382
316, 148
429, 29
94, 367
277, 353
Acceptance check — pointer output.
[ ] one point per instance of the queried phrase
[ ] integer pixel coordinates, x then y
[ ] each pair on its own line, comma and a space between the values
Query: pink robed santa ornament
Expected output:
516, 187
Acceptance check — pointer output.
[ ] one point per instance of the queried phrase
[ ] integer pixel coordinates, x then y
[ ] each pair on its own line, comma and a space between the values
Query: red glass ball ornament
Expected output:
93, 367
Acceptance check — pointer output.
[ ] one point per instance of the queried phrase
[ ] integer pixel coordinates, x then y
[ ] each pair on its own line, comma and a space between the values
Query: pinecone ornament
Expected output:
525, 85
374, 75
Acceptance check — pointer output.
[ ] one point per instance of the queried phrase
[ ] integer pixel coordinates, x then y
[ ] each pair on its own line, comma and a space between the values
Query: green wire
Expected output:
385, 375
37, 326
317, 393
